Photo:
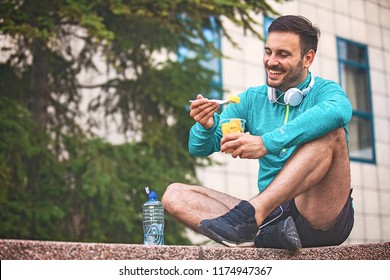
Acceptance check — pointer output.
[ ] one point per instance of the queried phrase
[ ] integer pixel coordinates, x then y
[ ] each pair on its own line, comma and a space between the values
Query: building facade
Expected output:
354, 50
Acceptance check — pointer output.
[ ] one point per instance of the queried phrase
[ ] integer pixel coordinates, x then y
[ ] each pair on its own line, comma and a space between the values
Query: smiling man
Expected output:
296, 127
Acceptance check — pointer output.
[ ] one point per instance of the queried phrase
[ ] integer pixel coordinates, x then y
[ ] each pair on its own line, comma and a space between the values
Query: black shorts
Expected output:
311, 237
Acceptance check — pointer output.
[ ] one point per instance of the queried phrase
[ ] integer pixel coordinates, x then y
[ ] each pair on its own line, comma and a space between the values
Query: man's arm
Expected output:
202, 141
331, 112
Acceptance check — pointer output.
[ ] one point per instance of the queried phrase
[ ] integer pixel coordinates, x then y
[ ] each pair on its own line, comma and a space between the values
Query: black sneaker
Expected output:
237, 227
283, 235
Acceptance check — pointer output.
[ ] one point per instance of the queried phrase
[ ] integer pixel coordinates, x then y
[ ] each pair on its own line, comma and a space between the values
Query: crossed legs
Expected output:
203, 203
317, 177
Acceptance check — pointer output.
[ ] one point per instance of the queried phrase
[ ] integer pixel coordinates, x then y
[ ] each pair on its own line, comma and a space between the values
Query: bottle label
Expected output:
154, 234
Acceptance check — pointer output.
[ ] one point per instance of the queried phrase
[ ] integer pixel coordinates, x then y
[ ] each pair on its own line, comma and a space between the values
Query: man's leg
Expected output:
192, 204
317, 176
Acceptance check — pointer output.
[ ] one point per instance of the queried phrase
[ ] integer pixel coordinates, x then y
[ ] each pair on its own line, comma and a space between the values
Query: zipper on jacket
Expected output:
285, 121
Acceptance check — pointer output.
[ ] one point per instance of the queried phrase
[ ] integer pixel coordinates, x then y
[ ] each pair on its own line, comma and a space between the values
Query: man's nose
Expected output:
272, 60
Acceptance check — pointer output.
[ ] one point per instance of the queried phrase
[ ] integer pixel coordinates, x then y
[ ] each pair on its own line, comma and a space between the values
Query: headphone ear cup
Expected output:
293, 97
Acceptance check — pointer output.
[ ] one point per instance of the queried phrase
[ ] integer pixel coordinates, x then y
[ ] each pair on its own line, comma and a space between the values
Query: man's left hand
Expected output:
243, 145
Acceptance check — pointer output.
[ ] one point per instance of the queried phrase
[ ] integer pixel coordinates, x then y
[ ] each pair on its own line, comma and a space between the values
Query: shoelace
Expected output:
235, 216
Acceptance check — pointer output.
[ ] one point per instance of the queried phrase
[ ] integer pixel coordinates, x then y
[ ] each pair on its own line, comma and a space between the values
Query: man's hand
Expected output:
244, 145
202, 111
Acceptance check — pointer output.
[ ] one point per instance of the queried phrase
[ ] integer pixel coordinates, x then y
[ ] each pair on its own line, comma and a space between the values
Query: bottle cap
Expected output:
153, 195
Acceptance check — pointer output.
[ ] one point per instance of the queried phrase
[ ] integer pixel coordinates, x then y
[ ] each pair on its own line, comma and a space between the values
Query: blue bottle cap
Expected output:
153, 195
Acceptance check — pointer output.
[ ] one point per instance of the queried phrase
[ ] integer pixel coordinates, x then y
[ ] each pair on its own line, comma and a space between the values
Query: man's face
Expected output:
283, 61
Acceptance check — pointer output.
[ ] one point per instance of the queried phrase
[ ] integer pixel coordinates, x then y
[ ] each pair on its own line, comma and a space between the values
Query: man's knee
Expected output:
333, 140
333, 136
337, 135
336, 140
171, 195
169, 192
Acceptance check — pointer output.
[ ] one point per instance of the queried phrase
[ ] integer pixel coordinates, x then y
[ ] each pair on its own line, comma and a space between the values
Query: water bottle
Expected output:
153, 219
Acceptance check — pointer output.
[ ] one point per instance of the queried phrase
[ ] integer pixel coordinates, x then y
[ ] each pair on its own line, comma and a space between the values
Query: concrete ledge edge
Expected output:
13, 249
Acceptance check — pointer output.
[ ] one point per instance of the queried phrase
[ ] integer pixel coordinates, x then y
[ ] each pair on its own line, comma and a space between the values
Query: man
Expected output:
297, 128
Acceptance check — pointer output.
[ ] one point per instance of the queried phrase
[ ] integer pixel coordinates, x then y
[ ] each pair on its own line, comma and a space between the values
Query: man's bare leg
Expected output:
317, 176
192, 204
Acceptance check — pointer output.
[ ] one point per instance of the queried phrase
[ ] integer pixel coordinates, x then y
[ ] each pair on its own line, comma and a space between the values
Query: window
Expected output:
266, 24
355, 79
212, 35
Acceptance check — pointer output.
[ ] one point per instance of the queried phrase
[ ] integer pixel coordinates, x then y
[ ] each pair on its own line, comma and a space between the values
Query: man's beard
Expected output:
291, 80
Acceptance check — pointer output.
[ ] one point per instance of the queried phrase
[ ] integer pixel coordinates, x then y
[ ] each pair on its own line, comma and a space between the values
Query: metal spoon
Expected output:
216, 100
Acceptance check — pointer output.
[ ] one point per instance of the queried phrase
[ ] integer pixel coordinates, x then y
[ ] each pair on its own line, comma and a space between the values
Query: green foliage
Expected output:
31, 178
58, 180
108, 191
94, 194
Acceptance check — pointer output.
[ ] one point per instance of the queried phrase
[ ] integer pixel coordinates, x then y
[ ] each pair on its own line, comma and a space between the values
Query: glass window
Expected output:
266, 24
355, 79
212, 35
352, 53
355, 83
360, 138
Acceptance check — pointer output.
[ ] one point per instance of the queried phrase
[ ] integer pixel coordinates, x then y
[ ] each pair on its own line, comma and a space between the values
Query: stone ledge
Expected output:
51, 250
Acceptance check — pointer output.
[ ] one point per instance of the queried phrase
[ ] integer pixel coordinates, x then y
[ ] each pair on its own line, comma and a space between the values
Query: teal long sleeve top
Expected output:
283, 128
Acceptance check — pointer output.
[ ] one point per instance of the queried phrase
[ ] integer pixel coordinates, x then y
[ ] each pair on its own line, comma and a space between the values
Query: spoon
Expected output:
231, 98
216, 100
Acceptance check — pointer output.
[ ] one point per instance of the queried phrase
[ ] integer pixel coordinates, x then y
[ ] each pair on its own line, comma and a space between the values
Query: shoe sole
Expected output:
217, 238
291, 233
240, 245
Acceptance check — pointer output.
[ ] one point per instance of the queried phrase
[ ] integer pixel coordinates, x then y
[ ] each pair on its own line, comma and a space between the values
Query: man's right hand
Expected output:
202, 111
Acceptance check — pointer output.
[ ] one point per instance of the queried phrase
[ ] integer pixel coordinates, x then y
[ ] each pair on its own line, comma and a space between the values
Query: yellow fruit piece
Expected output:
234, 99
231, 127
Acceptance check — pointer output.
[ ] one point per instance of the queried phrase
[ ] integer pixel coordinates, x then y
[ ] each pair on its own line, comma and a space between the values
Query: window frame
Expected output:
368, 116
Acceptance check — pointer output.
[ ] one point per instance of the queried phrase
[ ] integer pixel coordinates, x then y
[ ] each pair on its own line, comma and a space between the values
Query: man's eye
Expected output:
284, 54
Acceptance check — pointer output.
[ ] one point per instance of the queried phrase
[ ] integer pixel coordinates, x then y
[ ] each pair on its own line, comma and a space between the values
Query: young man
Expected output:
297, 128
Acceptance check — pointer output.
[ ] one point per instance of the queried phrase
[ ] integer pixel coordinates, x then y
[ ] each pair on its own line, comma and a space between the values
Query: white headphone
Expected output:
293, 96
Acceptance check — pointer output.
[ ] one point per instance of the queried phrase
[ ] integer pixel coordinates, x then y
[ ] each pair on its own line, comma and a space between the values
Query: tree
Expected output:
58, 180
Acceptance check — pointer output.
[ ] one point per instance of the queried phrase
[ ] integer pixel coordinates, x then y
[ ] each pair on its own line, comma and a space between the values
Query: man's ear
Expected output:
308, 58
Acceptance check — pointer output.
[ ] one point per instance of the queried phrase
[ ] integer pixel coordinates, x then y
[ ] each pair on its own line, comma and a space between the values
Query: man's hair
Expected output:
307, 32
